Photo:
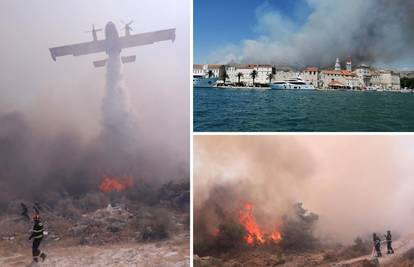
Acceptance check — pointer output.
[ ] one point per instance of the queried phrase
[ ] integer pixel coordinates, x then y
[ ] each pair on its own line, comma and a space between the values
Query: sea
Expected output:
257, 110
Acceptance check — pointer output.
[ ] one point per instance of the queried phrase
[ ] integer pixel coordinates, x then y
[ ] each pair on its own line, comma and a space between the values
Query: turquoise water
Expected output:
243, 110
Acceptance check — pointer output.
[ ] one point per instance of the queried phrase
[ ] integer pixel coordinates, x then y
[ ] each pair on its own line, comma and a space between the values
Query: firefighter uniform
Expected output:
388, 237
377, 245
37, 236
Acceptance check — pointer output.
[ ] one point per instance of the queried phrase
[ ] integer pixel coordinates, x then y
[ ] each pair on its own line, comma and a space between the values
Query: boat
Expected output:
201, 81
294, 83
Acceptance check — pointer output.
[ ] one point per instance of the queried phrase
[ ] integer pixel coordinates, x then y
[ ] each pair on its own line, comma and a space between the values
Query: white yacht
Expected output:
295, 83
201, 81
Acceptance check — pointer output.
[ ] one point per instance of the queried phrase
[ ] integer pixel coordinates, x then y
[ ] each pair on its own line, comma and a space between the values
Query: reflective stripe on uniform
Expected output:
38, 236
38, 231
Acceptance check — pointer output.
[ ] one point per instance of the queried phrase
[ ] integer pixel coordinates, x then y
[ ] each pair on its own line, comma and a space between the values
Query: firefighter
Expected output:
25, 211
36, 208
388, 237
37, 235
377, 244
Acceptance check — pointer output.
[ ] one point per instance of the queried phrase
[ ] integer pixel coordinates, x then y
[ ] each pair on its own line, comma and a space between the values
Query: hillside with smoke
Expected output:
356, 184
371, 31
50, 164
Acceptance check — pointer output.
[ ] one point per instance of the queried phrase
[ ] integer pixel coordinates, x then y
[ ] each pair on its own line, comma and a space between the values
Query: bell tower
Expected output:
349, 64
337, 64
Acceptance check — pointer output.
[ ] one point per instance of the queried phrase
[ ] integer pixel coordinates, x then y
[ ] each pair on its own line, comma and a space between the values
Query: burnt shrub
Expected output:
360, 247
152, 224
297, 229
230, 235
92, 201
176, 194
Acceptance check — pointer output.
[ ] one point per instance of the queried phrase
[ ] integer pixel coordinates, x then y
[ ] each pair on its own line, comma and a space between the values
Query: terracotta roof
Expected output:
312, 69
265, 65
338, 72
197, 66
215, 66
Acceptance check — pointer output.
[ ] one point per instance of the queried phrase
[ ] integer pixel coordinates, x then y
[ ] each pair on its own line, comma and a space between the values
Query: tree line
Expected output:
407, 82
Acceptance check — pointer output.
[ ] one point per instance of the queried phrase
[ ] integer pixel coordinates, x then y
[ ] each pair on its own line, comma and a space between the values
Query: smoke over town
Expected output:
372, 31
356, 184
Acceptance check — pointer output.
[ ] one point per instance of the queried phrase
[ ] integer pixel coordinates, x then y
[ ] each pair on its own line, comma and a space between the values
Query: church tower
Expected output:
337, 64
349, 64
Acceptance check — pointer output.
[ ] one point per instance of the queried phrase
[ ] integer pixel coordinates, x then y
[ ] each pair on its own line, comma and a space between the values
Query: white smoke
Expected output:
370, 31
119, 124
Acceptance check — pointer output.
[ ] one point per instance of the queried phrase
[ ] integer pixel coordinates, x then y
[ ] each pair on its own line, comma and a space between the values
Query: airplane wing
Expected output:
147, 38
78, 49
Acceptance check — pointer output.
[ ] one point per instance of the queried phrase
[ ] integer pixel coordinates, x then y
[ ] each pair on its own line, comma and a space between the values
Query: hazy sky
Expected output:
69, 92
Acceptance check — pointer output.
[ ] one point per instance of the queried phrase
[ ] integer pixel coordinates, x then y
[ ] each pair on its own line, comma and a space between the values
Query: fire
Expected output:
255, 235
112, 183
215, 232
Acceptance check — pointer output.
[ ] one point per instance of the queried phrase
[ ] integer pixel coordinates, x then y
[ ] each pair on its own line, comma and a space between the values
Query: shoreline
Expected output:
318, 89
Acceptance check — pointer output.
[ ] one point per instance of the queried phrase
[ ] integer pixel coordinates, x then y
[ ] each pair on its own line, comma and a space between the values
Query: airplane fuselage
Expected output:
112, 41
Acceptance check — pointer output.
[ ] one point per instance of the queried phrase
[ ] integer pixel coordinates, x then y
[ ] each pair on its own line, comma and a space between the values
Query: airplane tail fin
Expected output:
128, 59
100, 63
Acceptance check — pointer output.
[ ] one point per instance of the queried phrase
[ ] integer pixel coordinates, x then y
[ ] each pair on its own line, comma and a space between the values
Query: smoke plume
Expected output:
51, 164
370, 31
357, 184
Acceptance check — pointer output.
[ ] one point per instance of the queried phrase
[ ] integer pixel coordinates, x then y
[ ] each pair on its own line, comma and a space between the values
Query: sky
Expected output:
217, 23
66, 95
300, 33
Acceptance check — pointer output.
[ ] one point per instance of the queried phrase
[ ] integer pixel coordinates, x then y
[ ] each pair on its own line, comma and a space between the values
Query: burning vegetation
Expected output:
254, 233
112, 183
226, 225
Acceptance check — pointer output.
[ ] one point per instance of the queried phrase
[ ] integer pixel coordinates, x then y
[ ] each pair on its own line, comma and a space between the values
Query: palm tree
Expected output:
210, 73
224, 76
253, 74
239, 75
270, 77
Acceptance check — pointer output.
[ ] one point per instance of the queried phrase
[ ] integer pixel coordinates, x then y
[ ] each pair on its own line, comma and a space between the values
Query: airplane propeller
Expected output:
127, 25
93, 29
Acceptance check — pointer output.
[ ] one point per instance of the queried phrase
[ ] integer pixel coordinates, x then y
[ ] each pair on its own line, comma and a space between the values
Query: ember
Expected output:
112, 183
255, 235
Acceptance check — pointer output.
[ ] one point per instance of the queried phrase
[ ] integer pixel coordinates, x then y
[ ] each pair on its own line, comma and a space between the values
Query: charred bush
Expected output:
152, 224
230, 235
91, 202
143, 193
154, 231
297, 229
176, 195
359, 248
67, 209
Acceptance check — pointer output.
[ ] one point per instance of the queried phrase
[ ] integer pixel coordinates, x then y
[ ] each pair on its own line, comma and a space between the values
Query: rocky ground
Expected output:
103, 230
172, 252
403, 257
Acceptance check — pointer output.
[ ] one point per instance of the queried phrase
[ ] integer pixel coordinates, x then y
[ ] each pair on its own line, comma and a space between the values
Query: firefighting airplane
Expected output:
113, 43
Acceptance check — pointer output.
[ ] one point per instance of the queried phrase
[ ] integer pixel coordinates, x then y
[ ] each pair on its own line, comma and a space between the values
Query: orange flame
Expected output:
254, 234
215, 232
112, 183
